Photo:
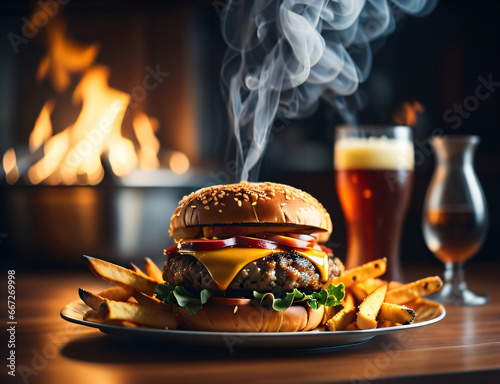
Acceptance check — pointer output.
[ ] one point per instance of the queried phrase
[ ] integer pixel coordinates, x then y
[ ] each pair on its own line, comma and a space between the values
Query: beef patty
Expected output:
276, 272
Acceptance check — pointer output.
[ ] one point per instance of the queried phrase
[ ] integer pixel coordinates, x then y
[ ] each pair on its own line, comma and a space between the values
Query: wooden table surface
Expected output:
463, 347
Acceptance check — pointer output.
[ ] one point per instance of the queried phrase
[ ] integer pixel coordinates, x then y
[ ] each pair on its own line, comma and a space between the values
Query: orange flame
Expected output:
408, 113
145, 128
179, 163
10, 166
64, 57
43, 127
73, 156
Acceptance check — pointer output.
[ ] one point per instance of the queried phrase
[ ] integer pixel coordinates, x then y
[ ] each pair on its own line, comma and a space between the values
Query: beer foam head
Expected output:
376, 153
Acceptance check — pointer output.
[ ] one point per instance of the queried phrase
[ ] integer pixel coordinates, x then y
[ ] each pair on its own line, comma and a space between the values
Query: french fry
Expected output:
369, 308
91, 299
131, 325
117, 293
93, 315
393, 285
153, 271
348, 300
424, 309
358, 291
342, 319
152, 302
138, 270
352, 327
136, 313
373, 284
410, 291
362, 273
121, 276
330, 312
396, 313
387, 324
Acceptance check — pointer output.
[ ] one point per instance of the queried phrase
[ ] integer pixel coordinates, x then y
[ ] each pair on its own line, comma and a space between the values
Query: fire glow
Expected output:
75, 155
408, 113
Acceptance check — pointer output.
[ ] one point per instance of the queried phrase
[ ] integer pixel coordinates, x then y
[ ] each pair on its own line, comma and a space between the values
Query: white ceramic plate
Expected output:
428, 313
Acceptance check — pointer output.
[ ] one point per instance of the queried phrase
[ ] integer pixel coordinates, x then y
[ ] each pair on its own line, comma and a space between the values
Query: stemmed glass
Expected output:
455, 215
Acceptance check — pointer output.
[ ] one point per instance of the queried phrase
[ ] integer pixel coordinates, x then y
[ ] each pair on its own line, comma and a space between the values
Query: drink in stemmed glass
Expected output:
455, 217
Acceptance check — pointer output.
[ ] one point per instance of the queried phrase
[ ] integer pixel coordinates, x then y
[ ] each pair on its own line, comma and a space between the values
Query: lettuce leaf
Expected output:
329, 297
173, 294
178, 295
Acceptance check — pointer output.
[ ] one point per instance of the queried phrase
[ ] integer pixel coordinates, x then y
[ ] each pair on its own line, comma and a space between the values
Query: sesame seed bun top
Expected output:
239, 208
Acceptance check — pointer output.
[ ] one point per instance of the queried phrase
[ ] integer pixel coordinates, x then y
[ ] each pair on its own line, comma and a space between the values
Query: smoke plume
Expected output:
283, 55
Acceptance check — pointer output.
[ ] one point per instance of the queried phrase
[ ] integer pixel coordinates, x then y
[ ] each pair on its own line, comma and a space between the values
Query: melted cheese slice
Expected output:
224, 264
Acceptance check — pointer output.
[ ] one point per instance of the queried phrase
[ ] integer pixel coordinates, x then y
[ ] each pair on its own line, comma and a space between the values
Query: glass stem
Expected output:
454, 275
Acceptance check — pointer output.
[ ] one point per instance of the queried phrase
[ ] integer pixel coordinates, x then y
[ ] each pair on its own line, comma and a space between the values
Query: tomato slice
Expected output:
270, 241
205, 244
302, 236
170, 250
285, 240
253, 242
325, 249
229, 301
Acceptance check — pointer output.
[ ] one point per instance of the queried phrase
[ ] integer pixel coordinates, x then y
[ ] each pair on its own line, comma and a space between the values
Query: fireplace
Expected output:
104, 129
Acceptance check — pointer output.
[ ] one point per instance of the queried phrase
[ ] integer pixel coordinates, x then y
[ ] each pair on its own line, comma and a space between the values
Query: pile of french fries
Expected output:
130, 303
371, 302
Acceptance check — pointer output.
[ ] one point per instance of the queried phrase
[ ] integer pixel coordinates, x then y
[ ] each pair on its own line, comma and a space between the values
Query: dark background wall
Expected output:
437, 60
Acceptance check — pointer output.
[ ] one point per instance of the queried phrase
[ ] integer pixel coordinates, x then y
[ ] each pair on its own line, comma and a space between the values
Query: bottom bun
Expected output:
250, 318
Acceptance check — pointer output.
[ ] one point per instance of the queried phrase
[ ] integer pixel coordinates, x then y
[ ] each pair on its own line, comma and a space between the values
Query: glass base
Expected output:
456, 296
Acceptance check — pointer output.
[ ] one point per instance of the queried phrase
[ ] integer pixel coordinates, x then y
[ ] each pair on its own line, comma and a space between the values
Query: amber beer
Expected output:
454, 233
373, 177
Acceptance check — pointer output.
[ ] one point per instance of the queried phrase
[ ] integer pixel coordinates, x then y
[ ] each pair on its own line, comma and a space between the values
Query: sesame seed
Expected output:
193, 206
283, 204
287, 197
237, 194
216, 203
204, 202
223, 204
220, 210
245, 196
254, 203
236, 199
207, 207
239, 203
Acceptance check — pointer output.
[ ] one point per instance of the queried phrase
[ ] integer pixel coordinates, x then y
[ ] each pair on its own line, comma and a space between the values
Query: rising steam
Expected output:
284, 55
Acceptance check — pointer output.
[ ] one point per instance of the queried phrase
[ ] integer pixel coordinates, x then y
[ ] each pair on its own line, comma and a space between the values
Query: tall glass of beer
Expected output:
373, 176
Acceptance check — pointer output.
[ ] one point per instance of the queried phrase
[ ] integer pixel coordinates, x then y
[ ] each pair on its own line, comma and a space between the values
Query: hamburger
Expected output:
247, 258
